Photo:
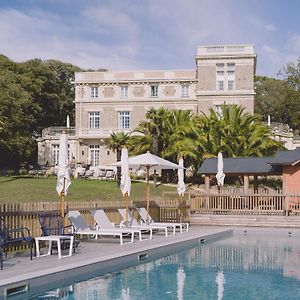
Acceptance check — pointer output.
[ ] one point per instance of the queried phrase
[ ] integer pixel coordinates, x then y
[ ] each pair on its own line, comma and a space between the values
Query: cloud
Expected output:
260, 24
270, 27
39, 34
128, 35
111, 22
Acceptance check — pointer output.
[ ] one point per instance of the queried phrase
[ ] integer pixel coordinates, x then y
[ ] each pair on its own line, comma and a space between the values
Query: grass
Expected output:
21, 189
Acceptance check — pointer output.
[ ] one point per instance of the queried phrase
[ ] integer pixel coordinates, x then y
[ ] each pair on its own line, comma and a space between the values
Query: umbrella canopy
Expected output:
125, 180
63, 176
220, 175
148, 160
181, 185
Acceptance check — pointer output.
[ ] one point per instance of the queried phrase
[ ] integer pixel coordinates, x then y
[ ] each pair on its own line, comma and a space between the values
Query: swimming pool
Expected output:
253, 264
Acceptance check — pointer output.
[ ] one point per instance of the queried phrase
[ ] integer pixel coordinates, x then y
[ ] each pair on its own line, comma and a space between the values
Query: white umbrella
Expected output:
220, 175
180, 185
63, 175
125, 179
147, 161
180, 283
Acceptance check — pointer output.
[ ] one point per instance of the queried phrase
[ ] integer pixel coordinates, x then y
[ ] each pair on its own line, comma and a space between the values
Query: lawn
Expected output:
19, 189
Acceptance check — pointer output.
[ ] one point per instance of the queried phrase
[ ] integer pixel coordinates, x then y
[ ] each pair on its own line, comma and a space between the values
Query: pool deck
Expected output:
91, 257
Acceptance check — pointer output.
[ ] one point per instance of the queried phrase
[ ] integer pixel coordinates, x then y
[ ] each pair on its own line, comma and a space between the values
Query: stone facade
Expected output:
107, 101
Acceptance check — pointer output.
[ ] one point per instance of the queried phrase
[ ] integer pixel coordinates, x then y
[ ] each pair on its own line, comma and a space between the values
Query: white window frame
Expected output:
124, 119
154, 90
220, 85
230, 85
94, 155
225, 76
185, 90
55, 152
124, 91
94, 120
94, 92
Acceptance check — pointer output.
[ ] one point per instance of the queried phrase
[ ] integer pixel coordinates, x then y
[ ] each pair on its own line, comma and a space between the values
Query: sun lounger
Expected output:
82, 228
134, 223
104, 222
143, 213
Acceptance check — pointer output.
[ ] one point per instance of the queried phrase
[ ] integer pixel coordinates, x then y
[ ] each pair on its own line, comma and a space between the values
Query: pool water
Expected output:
253, 264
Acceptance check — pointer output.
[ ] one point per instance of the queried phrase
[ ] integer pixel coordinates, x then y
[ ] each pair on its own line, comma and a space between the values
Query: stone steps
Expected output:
245, 220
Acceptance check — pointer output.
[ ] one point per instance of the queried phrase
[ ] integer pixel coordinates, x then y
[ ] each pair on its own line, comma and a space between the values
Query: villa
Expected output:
107, 101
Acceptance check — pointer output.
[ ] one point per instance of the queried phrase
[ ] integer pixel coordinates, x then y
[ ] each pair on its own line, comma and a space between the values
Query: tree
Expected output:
34, 95
235, 134
278, 99
291, 74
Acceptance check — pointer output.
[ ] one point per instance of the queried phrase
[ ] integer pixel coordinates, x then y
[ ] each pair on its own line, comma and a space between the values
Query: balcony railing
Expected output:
83, 132
101, 132
56, 131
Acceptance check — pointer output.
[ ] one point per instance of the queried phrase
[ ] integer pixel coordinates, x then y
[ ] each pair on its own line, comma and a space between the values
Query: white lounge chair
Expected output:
82, 228
143, 213
103, 222
134, 223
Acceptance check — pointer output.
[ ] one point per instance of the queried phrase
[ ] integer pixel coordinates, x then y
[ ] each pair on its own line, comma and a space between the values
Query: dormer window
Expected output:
185, 90
94, 92
154, 91
124, 91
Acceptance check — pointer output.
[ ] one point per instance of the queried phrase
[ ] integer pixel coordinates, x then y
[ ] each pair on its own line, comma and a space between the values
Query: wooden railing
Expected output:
26, 214
255, 203
168, 209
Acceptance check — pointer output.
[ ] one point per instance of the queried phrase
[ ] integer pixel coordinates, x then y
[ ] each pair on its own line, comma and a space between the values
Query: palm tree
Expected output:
235, 134
116, 142
152, 133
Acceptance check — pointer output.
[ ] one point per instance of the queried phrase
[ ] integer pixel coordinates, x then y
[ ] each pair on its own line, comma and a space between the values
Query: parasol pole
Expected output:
126, 206
148, 192
62, 200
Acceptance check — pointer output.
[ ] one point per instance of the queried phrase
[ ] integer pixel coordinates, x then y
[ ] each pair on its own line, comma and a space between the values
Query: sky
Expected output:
122, 35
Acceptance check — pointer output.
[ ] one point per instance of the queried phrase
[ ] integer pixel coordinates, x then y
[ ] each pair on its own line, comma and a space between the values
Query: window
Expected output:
225, 76
185, 90
94, 92
94, 120
55, 152
220, 85
124, 119
230, 85
154, 90
124, 91
94, 155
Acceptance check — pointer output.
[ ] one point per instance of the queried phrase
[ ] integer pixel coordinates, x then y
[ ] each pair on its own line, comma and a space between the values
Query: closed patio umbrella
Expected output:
220, 174
63, 175
125, 180
180, 185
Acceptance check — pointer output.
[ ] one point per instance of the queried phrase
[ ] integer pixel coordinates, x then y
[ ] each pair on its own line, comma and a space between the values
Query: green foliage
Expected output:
181, 134
280, 98
235, 134
34, 95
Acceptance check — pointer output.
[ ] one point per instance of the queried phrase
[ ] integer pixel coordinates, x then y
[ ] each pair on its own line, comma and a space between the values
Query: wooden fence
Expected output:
252, 203
170, 208
26, 214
